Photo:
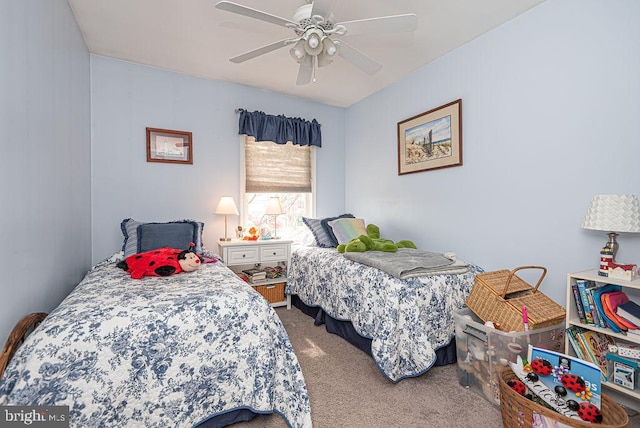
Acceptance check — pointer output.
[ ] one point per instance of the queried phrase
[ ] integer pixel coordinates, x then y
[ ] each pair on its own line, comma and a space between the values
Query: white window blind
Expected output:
277, 168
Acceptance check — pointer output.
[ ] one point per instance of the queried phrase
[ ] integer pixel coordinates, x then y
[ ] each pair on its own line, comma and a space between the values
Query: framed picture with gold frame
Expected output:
431, 140
165, 145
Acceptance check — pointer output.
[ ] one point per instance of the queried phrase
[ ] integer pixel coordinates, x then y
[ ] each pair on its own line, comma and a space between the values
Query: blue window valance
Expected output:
280, 129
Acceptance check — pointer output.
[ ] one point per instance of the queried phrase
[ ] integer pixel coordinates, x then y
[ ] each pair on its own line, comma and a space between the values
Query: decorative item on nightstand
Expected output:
613, 214
227, 207
274, 208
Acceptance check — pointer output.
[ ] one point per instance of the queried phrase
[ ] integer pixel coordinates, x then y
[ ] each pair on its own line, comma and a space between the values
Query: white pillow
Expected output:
346, 229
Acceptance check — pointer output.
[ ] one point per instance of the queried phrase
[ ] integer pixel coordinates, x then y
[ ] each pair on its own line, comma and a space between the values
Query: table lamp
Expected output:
612, 214
227, 207
274, 208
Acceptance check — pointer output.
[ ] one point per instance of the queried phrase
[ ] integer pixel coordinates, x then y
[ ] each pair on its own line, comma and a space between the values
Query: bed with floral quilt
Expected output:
197, 349
405, 324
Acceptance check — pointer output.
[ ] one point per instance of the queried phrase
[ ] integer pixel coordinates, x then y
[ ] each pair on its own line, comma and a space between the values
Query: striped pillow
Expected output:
321, 230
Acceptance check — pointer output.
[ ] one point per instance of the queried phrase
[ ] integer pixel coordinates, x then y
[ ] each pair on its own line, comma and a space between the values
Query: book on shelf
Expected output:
576, 342
591, 346
598, 347
592, 306
582, 286
255, 274
578, 302
630, 311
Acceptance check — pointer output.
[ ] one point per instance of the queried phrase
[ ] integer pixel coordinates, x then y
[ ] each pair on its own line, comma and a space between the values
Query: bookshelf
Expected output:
631, 288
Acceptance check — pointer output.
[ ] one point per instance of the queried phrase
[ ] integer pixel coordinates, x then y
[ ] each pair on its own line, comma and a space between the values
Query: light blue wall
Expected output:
126, 98
45, 157
550, 110
550, 107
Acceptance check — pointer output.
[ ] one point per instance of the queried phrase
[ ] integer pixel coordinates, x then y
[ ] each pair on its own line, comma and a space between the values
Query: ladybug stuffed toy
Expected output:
590, 413
517, 386
161, 262
541, 367
573, 382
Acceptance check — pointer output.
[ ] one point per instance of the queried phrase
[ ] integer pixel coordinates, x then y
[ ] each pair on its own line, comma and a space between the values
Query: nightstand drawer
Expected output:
274, 252
243, 255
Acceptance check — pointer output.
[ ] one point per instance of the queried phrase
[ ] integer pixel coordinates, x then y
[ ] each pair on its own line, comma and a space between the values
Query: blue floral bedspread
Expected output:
159, 352
407, 320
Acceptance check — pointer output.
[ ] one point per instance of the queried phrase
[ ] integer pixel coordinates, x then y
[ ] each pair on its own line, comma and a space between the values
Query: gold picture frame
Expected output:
431, 140
166, 145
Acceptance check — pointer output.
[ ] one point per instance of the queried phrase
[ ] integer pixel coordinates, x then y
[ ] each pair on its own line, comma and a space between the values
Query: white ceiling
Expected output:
195, 38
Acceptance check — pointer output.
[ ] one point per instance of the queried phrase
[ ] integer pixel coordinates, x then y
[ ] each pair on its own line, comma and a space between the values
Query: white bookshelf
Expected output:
632, 288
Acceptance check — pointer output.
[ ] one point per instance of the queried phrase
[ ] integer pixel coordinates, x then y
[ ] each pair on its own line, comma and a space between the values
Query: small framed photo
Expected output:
165, 145
431, 140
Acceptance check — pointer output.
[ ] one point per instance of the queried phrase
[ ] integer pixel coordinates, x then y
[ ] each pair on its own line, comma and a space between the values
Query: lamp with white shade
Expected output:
226, 207
274, 208
613, 214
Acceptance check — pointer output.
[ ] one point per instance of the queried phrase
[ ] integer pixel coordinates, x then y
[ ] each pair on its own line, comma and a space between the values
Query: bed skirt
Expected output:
445, 355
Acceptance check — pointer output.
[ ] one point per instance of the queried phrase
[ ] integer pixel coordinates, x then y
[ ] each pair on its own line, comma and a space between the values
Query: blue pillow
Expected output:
142, 236
174, 235
321, 231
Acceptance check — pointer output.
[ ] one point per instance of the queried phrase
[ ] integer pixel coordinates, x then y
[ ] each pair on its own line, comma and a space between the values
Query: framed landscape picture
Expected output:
165, 145
431, 140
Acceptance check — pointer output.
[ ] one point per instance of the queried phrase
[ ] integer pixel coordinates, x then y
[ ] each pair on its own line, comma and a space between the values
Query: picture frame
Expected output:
169, 146
431, 140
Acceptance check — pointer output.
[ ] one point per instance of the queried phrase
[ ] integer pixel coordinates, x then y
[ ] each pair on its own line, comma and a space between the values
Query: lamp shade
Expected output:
226, 206
613, 213
274, 207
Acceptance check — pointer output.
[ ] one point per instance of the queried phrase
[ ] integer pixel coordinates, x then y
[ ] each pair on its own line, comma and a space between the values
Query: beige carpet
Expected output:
347, 389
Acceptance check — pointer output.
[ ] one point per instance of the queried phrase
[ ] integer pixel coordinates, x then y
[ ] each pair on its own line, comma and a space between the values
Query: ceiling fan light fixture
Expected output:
329, 47
313, 38
298, 51
313, 41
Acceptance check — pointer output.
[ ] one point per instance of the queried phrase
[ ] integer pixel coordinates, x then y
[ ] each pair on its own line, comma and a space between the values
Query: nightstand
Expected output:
241, 255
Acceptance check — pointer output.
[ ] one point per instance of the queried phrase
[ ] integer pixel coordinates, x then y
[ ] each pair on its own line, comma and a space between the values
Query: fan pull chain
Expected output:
313, 72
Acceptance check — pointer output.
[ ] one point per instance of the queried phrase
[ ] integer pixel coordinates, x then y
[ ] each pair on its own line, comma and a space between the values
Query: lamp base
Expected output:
613, 244
225, 239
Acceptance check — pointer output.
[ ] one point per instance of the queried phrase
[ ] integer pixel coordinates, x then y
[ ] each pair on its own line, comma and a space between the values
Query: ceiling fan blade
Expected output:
260, 51
305, 73
253, 13
357, 58
324, 8
383, 24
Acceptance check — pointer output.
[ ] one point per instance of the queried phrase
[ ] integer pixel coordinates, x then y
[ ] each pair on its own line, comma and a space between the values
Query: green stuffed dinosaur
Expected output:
372, 242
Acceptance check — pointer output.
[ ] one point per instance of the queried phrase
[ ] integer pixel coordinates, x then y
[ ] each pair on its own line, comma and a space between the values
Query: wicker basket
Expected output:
517, 411
274, 293
499, 297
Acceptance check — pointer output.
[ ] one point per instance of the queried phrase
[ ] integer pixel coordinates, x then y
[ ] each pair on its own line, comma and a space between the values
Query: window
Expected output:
284, 170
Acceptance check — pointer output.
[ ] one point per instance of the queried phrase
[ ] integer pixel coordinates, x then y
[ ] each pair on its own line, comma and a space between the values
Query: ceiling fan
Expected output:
315, 43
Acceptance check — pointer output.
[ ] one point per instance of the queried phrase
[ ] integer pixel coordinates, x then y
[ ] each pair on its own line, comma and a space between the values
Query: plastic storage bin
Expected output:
482, 351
